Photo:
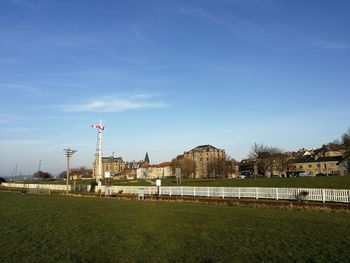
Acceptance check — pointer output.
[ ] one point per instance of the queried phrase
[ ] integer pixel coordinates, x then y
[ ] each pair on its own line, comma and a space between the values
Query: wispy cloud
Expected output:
8, 118
336, 45
228, 69
117, 104
23, 88
22, 141
242, 28
29, 4
87, 44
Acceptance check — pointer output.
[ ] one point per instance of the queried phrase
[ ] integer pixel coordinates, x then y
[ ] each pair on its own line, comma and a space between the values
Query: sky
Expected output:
165, 76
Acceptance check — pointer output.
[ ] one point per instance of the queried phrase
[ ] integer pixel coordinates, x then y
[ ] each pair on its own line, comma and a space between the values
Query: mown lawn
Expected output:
70, 229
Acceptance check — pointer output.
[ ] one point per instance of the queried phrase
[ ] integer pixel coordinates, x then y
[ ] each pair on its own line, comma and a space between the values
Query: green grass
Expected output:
336, 182
70, 229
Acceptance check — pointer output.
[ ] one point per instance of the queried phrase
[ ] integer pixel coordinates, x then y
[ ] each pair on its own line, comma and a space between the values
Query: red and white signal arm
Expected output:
98, 127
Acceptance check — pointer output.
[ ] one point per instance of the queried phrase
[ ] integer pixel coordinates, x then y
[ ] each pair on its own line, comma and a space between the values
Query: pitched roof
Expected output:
317, 160
203, 148
112, 159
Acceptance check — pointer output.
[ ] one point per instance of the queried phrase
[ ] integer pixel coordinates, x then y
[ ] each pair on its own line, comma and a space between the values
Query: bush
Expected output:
301, 195
42, 175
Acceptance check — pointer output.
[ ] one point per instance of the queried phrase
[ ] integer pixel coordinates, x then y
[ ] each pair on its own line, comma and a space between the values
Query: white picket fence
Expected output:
313, 194
51, 187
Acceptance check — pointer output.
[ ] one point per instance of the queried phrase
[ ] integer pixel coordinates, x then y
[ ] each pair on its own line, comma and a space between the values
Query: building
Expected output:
202, 156
248, 168
114, 165
308, 165
161, 170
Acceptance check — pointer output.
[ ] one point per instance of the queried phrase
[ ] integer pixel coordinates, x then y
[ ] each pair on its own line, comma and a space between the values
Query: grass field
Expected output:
334, 182
70, 229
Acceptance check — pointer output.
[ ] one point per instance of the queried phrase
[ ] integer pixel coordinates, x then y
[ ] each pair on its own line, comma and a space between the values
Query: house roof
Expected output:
112, 159
203, 148
160, 165
308, 159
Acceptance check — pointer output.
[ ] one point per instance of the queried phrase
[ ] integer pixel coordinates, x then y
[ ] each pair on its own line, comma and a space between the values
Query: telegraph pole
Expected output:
68, 152
39, 165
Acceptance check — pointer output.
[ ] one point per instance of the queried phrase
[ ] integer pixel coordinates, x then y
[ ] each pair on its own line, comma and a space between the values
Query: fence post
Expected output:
181, 192
223, 193
276, 193
323, 196
257, 193
170, 191
194, 191
208, 191
239, 193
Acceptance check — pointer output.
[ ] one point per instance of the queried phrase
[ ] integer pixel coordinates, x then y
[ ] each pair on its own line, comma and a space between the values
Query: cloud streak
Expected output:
335, 45
23, 88
116, 104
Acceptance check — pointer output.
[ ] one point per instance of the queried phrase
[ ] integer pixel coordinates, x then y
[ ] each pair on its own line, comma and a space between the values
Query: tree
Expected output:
221, 167
80, 172
42, 175
345, 139
187, 166
63, 175
268, 159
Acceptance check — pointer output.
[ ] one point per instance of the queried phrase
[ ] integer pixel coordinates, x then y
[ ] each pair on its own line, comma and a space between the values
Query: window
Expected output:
310, 165
300, 166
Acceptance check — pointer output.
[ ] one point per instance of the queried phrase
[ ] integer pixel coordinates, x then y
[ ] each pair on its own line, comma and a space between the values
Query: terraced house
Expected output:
315, 166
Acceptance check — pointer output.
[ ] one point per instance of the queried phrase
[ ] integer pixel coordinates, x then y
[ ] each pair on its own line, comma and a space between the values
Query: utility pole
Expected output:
68, 152
39, 165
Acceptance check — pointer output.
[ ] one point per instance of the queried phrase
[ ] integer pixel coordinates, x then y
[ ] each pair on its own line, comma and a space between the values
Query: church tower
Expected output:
146, 158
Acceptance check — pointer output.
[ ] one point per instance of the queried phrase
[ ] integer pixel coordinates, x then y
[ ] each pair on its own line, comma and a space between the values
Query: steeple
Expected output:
146, 158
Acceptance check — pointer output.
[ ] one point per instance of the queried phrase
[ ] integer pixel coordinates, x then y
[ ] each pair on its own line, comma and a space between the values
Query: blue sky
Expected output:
166, 76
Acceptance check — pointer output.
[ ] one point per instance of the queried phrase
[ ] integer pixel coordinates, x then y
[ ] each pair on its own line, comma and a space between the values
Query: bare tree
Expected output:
81, 172
222, 167
268, 159
188, 166
345, 139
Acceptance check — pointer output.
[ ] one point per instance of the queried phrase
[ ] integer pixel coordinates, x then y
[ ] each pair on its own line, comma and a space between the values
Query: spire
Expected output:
146, 158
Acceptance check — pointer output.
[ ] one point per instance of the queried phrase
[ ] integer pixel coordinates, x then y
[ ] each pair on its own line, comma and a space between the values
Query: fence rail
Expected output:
310, 194
51, 187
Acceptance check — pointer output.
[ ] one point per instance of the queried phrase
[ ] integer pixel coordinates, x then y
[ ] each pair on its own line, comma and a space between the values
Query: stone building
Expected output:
248, 168
114, 165
202, 156
161, 170
330, 165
